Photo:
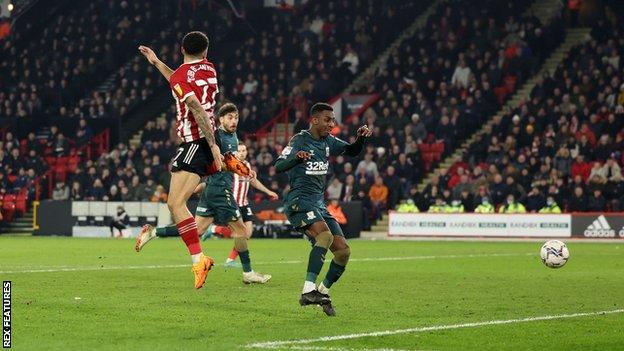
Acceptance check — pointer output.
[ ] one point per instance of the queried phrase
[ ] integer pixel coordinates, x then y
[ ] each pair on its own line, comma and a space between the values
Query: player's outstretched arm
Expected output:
288, 161
258, 185
363, 133
150, 55
201, 117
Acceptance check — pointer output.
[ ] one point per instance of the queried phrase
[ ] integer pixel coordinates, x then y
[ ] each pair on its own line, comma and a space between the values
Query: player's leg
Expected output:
240, 245
320, 234
181, 188
341, 252
231, 260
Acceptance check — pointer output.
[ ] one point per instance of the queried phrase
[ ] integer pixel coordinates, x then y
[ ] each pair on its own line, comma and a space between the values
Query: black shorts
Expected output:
194, 157
247, 214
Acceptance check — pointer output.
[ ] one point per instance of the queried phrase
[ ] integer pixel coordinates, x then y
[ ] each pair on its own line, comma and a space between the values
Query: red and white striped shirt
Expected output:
241, 188
199, 78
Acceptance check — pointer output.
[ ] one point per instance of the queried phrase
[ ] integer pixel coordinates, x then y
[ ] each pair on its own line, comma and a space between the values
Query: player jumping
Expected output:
241, 187
217, 203
306, 161
194, 87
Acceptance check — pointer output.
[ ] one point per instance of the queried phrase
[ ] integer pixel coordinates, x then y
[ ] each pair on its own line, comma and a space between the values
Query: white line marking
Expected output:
368, 259
289, 343
323, 348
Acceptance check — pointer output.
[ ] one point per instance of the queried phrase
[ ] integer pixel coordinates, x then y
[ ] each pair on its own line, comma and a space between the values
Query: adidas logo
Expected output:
600, 228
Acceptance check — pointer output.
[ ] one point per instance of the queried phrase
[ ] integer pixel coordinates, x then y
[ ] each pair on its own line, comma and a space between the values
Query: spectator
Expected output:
367, 166
597, 202
120, 222
511, 206
334, 189
348, 190
535, 201
485, 206
461, 75
76, 192
408, 207
378, 194
60, 192
578, 202
551, 206
160, 195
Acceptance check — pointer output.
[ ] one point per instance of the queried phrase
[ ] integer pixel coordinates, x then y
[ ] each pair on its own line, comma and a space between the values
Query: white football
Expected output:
554, 254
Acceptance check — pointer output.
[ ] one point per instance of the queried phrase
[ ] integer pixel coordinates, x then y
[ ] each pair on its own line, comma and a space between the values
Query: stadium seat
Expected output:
9, 198
60, 172
62, 160
72, 164
20, 203
424, 148
8, 211
50, 160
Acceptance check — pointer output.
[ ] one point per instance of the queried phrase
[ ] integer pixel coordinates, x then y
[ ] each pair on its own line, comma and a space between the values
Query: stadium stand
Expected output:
436, 89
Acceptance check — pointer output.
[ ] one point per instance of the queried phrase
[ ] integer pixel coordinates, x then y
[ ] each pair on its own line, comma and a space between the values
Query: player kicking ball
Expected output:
306, 160
216, 203
194, 87
241, 188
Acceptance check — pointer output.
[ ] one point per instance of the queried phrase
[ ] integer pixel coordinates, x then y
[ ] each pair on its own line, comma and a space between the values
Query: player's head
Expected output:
322, 118
195, 44
242, 151
228, 117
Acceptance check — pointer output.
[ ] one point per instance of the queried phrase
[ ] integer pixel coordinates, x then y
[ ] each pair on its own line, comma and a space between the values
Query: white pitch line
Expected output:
290, 343
368, 259
323, 348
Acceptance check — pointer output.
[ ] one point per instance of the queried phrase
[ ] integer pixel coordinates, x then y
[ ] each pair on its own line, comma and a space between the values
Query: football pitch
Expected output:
96, 294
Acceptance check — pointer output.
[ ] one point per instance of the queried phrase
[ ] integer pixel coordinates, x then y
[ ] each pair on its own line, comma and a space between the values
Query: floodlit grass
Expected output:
92, 294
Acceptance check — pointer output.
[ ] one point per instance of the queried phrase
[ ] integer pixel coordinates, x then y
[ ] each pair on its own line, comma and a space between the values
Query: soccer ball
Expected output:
554, 254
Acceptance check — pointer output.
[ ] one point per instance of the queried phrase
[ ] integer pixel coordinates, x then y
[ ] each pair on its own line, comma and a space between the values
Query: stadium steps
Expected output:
368, 75
381, 225
23, 224
136, 138
573, 37
282, 134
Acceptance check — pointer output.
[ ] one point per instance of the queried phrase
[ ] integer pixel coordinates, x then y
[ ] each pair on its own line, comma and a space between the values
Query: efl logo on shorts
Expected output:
6, 314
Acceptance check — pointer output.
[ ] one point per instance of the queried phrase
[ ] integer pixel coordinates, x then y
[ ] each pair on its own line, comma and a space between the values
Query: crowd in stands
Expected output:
52, 73
562, 149
312, 53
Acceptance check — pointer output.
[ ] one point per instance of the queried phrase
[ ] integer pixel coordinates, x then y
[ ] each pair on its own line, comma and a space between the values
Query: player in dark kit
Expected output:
194, 87
306, 161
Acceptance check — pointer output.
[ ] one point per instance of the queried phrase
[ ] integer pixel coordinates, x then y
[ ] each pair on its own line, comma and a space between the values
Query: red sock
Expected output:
188, 232
233, 254
223, 231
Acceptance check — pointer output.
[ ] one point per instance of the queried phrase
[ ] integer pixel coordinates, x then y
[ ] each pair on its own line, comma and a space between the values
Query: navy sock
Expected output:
245, 261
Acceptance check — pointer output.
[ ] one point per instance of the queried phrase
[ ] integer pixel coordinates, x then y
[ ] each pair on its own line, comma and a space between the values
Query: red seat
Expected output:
8, 210
60, 172
424, 148
72, 166
20, 203
62, 160
24, 147
51, 160
9, 198
438, 147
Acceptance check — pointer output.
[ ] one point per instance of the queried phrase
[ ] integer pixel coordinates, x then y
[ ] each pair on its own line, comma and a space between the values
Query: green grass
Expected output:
158, 309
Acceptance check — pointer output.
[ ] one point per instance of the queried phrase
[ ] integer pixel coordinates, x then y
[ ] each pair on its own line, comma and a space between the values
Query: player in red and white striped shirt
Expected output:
194, 87
240, 188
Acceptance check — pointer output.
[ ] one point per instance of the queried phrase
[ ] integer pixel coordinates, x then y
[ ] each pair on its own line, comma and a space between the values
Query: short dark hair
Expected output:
320, 107
226, 108
194, 43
